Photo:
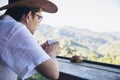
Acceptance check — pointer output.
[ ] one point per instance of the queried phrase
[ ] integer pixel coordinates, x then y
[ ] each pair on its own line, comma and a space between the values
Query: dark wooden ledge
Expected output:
87, 70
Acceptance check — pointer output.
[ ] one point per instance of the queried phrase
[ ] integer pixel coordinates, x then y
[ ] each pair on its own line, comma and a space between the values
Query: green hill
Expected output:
86, 43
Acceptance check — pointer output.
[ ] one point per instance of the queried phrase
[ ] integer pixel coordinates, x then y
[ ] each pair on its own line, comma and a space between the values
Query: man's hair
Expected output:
18, 12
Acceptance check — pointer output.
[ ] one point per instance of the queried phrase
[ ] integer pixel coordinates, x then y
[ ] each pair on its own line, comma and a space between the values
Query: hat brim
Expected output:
46, 5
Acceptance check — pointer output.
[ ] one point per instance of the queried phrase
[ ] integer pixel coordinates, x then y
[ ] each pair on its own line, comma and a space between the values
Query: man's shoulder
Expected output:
9, 26
8, 23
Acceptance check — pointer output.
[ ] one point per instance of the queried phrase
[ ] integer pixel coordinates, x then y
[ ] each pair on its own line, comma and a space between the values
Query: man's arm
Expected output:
49, 68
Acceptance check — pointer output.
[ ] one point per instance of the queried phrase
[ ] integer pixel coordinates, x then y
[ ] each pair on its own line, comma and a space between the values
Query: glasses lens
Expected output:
39, 17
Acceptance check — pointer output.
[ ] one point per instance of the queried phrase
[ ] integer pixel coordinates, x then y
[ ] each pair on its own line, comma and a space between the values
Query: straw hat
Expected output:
46, 5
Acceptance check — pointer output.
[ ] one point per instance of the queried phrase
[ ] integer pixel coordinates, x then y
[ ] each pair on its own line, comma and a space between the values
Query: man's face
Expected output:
33, 21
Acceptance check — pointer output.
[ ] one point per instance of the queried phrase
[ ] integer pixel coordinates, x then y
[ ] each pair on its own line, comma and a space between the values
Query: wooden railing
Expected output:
87, 70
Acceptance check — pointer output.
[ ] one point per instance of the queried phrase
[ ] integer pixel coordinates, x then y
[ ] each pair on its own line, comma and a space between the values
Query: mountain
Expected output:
81, 39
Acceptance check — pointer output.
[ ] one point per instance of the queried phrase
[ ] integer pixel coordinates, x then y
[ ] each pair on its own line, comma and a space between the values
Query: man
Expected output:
20, 54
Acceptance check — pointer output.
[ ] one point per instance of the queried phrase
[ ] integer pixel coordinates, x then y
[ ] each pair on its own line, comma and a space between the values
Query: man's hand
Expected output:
52, 50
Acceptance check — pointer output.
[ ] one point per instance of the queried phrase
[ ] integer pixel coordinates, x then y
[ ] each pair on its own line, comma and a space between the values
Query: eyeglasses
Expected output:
39, 17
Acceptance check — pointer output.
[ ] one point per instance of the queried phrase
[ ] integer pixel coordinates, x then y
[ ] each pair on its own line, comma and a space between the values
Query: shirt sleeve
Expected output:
22, 53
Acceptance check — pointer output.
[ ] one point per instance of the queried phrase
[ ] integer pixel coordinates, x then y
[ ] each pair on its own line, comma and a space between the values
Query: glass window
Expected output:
87, 28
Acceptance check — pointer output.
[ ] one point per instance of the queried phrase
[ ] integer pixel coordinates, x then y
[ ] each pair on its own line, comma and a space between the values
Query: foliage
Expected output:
37, 77
89, 45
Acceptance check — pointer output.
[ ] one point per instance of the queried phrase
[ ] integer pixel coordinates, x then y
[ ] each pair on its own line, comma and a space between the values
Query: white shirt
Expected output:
19, 51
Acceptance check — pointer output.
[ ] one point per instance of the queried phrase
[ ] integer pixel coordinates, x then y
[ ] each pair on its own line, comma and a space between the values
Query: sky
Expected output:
96, 15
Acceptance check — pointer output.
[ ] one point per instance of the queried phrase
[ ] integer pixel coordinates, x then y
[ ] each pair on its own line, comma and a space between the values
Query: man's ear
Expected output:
28, 17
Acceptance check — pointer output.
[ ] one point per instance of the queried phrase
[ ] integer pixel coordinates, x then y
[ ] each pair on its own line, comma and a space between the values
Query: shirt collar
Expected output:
6, 17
